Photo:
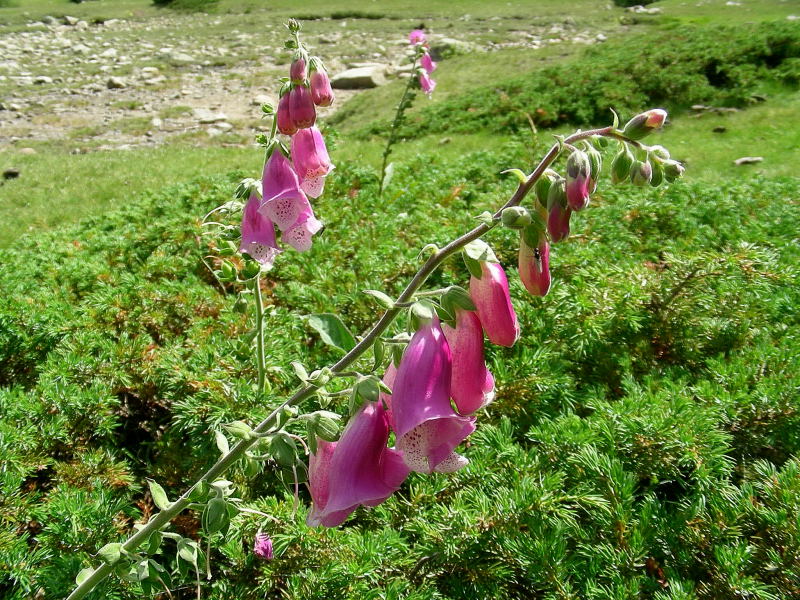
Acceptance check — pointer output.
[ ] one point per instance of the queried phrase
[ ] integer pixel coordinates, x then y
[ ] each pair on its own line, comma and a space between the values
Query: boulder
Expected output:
360, 78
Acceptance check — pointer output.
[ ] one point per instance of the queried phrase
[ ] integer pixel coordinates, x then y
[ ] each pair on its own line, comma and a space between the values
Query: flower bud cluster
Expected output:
419, 42
282, 199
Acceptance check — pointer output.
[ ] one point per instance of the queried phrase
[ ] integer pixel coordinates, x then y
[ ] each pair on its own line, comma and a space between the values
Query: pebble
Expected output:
116, 83
748, 160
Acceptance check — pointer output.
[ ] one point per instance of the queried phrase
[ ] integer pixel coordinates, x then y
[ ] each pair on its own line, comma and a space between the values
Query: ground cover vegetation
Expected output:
643, 442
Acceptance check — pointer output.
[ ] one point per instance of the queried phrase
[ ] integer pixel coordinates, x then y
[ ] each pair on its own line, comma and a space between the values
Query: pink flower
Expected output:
311, 161
301, 108
493, 303
417, 36
285, 124
321, 92
426, 83
258, 233
263, 546
427, 63
471, 383
558, 222
578, 180
286, 205
297, 70
534, 266
357, 470
427, 428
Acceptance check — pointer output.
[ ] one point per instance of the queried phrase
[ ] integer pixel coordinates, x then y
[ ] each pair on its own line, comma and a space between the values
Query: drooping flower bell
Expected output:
321, 91
285, 204
357, 470
301, 107
284, 118
427, 428
471, 383
427, 63
493, 303
534, 265
426, 83
297, 70
258, 233
579, 170
311, 161
262, 547
417, 36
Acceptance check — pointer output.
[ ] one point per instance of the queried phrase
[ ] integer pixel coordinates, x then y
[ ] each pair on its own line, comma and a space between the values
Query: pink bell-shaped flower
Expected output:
297, 70
427, 63
426, 83
311, 161
417, 36
262, 546
471, 383
357, 470
286, 205
578, 180
301, 107
321, 91
258, 233
534, 266
558, 222
493, 303
285, 124
427, 428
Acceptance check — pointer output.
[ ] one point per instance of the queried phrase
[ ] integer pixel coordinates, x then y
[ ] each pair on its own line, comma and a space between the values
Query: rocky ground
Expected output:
121, 83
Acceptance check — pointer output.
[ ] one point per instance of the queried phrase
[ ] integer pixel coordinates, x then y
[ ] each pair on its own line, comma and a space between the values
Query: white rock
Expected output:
71, 20
116, 83
43, 79
156, 122
748, 160
360, 78
110, 53
206, 116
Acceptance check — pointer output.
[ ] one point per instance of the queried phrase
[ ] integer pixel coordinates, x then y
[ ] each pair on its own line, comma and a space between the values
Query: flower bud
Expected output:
534, 266
542, 186
596, 161
658, 173
672, 170
642, 124
621, 165
515, 217
262, 547
297, 70
558, 222
577, 184
285, 124
641, 173
301, 108
321, 91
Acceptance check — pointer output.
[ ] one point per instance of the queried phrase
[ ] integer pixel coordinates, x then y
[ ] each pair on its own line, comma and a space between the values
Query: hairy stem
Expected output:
161, 519
260, 359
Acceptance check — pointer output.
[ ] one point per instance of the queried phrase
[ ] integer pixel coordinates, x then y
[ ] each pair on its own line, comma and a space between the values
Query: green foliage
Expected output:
643, 440
188, 5
717, 65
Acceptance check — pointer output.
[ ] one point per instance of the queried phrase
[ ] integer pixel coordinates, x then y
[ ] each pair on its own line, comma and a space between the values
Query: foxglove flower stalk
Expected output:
427, 428
284, 118
301, 107
263, 546
311, 161
286, 205
534, 266
258, 233
471, 383
357, 470
426, 83
493, 303
321, 91
578, 180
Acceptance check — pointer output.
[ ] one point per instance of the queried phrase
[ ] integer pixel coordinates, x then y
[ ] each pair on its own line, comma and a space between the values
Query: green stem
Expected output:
160, 520
398, 117
260, 359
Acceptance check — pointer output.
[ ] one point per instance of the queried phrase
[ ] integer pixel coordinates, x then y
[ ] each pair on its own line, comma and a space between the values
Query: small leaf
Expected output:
480, 250
473, 266
239, 429
159, 495
187, 550
518, 173
200, 491
83, 575
378, 352
283, 450
222, 442
311, 437
110, 553
215, 517
332, 331
154, 542
300, 371
459, 297
382, 298
432, 248
423, 310
486, 218
615, 123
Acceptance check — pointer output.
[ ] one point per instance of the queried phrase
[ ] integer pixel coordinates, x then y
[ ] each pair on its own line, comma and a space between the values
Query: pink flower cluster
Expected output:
440, 383
285, 186
417, 38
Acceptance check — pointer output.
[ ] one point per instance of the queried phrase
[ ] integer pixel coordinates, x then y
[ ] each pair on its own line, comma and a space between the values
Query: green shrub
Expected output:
188, 5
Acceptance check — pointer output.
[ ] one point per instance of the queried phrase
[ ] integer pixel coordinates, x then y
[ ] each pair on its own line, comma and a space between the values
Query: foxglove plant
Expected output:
439, 367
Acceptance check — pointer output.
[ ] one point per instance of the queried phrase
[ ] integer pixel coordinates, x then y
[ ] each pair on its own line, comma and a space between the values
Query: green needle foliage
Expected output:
643, 442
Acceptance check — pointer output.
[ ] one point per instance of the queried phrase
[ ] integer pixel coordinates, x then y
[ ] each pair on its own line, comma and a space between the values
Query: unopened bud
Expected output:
621, 165
658, 173
558, 222
297, 70
641, 173
542, 186
672, 170
659, 152
557, 194
515, 217
285, 124
596, 160
577, 186
642, 124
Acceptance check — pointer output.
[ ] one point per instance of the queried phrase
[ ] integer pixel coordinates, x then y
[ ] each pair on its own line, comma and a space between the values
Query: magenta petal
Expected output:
258, 233
577, 190
426, 83
388, 380
534, 266
493, 302
426, 426
299, 236
471, 384
427, 63
311, 161
321, 91
358, 469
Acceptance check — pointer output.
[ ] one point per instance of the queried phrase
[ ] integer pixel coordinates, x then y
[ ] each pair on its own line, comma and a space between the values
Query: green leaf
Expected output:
222, 442
110, 553
239, 429
382, 298
473, 266
480, 250
283, 449
187, 550
215, 517
423, 310
486, 218
518, 173
332, 331
159, 495
200, 491
378, 352
300, 371
154, 542
459, 297
368, 389
83, 575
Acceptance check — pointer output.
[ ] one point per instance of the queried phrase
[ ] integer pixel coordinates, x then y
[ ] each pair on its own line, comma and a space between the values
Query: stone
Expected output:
71, 20
206, 116
43, 79
748, 160
27, 151
359, 78
261, 99
81, 49
446, 47
156, 122
223, 126
110, 53
49, 20
82, 25
180, 58
116, 83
